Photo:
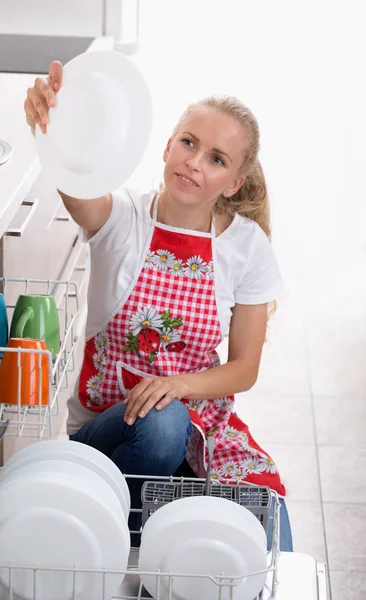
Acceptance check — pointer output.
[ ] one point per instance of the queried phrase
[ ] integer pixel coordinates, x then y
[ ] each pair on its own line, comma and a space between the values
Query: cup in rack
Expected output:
25, 375
35, 316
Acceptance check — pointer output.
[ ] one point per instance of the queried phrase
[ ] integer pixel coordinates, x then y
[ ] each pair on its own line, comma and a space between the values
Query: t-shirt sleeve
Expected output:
261, 281
116, 229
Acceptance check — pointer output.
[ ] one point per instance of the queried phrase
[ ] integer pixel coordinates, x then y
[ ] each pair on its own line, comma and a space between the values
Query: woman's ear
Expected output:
167, 148
235, 187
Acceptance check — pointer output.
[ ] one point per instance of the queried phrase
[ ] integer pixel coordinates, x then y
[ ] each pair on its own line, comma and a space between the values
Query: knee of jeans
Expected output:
171, 424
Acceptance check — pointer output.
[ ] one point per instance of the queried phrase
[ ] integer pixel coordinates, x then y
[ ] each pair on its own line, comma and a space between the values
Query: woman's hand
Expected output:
153, 392
42, 96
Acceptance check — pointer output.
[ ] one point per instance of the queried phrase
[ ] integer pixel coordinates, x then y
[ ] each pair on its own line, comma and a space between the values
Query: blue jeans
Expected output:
285, 529
154, 445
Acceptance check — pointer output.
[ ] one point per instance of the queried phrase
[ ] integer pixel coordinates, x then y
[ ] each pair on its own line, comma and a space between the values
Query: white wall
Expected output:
300, 67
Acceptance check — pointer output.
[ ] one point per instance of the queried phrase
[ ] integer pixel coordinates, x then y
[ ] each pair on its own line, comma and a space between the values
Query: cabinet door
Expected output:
48, 248
39, 240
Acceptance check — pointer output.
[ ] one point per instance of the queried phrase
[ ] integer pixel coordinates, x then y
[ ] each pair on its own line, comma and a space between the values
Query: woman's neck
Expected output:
169, 213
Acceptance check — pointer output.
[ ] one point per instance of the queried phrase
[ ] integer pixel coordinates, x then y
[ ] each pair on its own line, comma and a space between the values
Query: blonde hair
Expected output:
251, 200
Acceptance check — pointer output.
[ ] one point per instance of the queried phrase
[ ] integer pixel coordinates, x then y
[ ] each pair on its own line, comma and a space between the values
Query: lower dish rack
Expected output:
158, 491
36, 421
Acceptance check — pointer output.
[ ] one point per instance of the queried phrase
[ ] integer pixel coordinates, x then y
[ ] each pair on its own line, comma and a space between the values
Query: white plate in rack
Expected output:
77, 453
68, 471
51, 520
248, 523
204, 535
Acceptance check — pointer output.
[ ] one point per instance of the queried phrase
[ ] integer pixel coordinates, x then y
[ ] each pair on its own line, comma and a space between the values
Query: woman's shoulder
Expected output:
245, 243
241, 233
139, 199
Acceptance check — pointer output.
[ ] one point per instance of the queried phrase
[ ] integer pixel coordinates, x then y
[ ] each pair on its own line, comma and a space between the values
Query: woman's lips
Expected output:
188, 181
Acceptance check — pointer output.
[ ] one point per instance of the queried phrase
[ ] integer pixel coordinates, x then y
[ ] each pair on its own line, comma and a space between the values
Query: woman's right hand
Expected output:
42, 96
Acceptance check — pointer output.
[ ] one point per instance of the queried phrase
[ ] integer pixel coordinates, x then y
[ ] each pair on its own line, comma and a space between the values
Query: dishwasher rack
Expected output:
36, 421
132, 588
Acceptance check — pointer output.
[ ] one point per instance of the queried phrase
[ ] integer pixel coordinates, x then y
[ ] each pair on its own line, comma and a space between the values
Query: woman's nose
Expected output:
195, 162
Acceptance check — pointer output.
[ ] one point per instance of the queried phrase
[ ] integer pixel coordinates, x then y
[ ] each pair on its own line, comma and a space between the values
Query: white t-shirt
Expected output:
246, 271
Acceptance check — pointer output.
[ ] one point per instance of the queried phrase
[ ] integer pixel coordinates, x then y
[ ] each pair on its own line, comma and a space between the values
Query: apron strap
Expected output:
155, 208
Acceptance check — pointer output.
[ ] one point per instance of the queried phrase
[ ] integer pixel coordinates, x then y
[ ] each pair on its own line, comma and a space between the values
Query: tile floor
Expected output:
315, 433
297, 66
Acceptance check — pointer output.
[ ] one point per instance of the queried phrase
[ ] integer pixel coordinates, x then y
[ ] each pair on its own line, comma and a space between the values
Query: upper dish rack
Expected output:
36, 421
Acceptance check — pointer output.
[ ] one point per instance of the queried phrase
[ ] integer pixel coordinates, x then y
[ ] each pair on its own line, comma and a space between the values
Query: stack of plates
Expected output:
204, 535
63, 505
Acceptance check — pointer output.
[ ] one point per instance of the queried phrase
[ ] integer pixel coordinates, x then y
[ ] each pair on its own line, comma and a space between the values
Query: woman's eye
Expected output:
187, 142
218, 160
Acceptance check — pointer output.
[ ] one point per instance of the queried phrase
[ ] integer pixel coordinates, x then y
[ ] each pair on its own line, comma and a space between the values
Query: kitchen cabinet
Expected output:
42, 243
40, 239
69, 17
84, 18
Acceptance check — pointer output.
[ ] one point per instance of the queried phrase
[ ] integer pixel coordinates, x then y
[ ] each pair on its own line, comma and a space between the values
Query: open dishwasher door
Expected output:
299, 577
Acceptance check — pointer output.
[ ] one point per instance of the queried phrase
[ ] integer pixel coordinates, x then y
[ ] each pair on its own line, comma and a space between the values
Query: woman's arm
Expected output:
247, 334
89, 214
246, 338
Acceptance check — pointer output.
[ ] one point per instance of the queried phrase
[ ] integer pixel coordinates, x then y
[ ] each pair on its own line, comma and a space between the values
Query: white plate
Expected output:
77, 453
49, 521
202, 535
100, 127
242, 517
70, 472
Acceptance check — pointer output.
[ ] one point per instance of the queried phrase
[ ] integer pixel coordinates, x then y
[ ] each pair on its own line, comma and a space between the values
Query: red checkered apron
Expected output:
168, 325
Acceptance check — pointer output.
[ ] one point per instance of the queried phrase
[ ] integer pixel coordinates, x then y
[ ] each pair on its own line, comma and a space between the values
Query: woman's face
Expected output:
204, 158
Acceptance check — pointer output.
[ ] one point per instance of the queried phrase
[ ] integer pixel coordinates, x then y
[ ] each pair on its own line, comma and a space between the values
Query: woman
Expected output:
169, 272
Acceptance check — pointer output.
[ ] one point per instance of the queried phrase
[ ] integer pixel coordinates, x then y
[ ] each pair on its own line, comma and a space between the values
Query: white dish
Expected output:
49, 521
70, 472
77, 453
100, 127
242, 517
202, 535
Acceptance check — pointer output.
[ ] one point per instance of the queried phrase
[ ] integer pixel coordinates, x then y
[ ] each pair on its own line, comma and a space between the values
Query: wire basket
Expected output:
36, 421
132, 587
256, 499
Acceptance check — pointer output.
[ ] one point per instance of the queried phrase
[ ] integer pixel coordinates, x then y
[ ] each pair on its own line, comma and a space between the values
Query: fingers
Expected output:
147, 404
167, 399
32, 114
44, 89
39, 108
141, 401
42, 97
32, 124
139, 409
136, 391
55, 75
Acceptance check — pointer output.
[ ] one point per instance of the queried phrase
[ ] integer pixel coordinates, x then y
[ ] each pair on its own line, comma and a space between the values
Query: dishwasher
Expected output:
289, 576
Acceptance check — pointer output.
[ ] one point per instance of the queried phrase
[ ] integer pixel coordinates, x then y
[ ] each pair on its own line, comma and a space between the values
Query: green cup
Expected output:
35, 316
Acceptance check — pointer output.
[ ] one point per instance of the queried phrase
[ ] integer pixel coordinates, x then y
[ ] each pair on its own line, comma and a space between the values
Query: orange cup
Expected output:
33, 381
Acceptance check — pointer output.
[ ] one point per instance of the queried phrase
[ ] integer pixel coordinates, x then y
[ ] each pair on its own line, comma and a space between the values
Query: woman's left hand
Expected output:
155, 392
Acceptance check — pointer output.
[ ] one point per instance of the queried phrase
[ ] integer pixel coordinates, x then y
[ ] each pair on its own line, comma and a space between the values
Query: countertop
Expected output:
19, 173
